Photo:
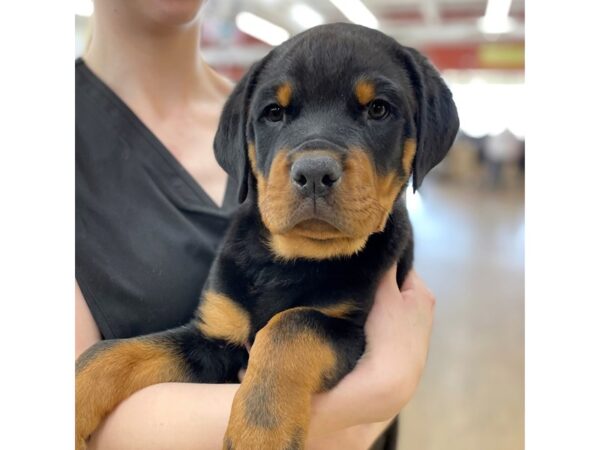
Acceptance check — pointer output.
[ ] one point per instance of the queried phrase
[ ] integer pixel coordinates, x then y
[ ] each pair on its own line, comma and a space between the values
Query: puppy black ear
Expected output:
436, 119
231, 141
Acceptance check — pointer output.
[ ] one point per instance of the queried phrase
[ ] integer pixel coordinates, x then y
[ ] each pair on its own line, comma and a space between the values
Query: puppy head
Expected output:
324, 132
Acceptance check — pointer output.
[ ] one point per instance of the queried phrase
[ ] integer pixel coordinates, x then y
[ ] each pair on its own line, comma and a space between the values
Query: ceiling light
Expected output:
261, 29
497, 8
306, 16
496, 19
84, 8
357, 12
496, 26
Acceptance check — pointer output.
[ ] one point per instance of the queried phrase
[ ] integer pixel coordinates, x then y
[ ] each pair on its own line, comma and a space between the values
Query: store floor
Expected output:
470, 251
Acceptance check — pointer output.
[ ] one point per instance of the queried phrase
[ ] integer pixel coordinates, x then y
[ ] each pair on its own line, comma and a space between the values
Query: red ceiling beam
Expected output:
490, 55
446, 14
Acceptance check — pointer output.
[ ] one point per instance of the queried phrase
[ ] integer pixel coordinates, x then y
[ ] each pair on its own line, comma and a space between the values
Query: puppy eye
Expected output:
273, 113
378, 109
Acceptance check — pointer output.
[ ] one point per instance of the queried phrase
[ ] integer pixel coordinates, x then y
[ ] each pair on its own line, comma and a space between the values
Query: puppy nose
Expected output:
315, 175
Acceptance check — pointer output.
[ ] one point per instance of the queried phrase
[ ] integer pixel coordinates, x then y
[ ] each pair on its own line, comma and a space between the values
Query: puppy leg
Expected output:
300, 351
111, 371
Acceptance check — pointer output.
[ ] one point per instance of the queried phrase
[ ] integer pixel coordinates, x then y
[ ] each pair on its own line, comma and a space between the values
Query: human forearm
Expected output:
167, 416
352, 404
358, 437
194, 416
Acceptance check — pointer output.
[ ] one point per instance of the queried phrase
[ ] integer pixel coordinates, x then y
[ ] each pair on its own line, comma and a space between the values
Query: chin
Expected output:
172, 12
292, 246
315, 239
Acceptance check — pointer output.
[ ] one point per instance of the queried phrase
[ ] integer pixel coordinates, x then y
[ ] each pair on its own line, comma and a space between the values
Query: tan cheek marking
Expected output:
222, 318
261, 183
388, 188
358, 198
284, 94
410, 148
252, 158
365, 92
275, 194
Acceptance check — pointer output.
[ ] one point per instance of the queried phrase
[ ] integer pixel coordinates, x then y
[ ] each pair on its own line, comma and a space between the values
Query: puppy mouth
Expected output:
317, 229
315, 219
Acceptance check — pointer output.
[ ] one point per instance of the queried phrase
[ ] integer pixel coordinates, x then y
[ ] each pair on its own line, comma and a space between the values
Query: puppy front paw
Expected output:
262, 420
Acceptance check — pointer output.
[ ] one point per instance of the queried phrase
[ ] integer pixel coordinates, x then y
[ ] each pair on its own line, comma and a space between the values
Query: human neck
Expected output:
162, 66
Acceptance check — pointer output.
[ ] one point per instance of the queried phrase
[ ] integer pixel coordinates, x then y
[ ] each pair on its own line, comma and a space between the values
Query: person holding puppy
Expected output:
152, 205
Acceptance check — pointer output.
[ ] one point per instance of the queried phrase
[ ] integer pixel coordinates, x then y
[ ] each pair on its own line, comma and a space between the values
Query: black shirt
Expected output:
146, 232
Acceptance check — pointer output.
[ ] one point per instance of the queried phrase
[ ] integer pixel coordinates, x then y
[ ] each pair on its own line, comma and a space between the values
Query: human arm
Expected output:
167, 415
398, 330
179, 416
86, 330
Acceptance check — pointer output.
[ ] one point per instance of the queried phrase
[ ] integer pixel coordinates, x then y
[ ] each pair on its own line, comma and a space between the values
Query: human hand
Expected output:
397, 332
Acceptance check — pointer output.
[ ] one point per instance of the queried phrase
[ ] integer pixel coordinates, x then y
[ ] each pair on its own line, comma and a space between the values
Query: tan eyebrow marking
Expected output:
284, 94
365, 91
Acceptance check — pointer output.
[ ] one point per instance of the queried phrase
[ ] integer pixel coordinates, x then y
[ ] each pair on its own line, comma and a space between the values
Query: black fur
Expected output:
437, 118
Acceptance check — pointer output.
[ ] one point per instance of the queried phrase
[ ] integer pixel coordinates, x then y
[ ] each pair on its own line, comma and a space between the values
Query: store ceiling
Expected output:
414, 22
423, 24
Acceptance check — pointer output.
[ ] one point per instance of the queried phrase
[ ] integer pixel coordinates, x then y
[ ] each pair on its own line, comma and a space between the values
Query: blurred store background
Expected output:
469, 215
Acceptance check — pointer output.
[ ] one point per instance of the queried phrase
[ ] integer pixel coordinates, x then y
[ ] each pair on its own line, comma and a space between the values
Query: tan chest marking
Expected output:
222, 318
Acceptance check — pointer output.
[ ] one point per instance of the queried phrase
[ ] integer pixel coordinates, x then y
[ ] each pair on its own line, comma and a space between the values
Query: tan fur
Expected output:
363, 203
308, 240
364, 91
365, 198
284, 94
388, 188
408, 155
339, 310
276, 194
252, 158
222, 318
102, 383
272, 407
290, 247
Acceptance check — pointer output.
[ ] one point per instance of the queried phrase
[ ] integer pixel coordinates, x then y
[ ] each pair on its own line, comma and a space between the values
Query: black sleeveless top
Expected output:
146, 232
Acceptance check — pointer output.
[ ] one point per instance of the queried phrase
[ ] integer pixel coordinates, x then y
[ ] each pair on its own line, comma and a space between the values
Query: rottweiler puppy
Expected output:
322, 135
